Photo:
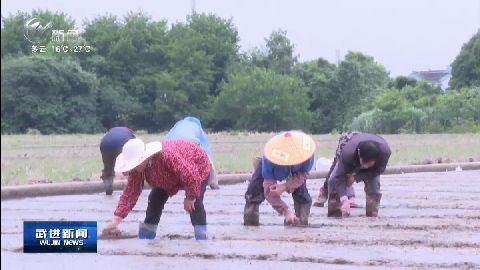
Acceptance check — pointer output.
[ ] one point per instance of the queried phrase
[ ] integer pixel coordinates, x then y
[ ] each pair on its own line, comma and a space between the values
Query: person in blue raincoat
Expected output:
190, 129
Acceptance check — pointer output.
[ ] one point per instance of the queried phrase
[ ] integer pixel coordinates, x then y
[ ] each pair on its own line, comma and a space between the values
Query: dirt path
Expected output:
427, 220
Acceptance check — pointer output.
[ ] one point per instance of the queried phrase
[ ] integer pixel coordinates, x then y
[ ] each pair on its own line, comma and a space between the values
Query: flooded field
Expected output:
426, 221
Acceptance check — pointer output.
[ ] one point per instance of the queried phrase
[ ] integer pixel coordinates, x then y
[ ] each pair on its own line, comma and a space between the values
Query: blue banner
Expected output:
59, 236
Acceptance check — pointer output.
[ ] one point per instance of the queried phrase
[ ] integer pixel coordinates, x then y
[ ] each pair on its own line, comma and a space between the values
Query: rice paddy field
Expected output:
426, 221
54, 158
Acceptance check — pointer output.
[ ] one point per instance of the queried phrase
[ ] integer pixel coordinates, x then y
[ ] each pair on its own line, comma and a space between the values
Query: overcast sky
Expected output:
403, 35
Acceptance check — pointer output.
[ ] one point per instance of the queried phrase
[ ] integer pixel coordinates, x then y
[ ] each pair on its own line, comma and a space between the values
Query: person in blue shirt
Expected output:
110, 147
190, 129
284, 167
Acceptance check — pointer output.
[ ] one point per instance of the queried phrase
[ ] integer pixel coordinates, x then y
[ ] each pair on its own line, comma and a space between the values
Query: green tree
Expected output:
159, 103
458, 110
167, 73
277, 54
130, 56
473, 97
318, 76
262, 100
219, 39
123, 50
280, 52
401, 81
358, 79
422, 95
422, 108
466, 67
48, 94
190, 67
257, 57
392, 114
115, 106
102, 33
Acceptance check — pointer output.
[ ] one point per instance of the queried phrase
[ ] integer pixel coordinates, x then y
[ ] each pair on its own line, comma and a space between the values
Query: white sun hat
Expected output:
134, 152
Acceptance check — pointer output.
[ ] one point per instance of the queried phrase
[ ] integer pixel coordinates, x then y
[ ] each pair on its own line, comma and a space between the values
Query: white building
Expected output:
436, 77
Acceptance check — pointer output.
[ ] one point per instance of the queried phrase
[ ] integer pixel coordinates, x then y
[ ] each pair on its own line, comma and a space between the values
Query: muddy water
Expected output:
428, 220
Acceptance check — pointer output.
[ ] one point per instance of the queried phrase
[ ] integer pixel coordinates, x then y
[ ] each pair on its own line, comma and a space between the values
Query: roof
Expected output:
431, 75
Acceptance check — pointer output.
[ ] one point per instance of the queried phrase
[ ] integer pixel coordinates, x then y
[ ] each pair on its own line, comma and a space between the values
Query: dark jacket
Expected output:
349, 162
115, 138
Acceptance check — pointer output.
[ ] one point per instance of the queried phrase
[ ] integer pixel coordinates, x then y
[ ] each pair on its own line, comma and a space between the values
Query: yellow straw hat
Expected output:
289, 148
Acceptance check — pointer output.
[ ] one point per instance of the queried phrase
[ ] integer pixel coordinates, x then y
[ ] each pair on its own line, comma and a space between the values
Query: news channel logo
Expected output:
36, 30
42, 37
60, 237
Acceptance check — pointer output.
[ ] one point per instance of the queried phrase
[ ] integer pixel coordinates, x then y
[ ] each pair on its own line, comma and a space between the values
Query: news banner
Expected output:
60, 236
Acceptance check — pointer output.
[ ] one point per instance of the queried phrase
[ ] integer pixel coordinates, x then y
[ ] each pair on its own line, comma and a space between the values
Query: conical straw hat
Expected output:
289, 148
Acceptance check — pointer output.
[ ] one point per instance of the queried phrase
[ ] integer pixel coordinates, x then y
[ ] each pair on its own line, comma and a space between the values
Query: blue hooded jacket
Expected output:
190, 128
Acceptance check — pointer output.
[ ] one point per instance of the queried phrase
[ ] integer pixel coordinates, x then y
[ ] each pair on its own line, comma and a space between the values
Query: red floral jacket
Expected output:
180, 165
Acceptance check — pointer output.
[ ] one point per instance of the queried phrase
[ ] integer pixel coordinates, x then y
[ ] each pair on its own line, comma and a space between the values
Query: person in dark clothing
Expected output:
110, 147
323, 195
362, 158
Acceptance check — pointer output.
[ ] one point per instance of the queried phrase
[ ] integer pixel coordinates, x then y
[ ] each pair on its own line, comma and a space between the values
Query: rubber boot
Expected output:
251, 214
108, 184
322, 198
334, 206
200, 232
147, 231
373, 203
302, 211
213, 179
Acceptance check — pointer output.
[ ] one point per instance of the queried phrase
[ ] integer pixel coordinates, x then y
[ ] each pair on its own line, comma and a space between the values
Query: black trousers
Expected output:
255, 193
372, 186
109, 158
158, 197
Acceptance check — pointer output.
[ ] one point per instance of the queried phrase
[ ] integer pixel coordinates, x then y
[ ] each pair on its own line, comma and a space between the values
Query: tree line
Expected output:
147, 74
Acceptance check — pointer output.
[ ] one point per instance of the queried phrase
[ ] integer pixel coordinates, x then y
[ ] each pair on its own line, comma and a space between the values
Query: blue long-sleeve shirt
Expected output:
190, 128
272, 171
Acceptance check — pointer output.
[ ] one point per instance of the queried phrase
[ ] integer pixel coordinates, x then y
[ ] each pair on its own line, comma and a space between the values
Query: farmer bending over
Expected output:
190, 129
363, 158
110, 147
167, 166
288, 158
